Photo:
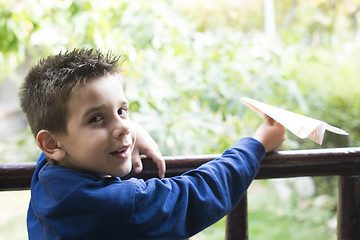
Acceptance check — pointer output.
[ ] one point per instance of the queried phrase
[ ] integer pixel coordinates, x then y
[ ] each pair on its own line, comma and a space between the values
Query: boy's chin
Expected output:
123, 172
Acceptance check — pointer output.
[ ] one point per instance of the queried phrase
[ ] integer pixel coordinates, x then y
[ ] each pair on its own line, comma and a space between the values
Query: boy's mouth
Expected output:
123, 152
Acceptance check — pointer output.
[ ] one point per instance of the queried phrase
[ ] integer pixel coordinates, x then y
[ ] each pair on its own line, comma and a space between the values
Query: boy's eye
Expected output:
123, 112
95, 119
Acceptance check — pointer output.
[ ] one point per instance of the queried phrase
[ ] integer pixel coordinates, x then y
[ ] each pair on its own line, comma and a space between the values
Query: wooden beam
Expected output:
282, 164
237, 222
349, 208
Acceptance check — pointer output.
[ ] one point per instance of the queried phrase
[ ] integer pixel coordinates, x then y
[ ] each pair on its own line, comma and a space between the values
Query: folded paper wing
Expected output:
301, 126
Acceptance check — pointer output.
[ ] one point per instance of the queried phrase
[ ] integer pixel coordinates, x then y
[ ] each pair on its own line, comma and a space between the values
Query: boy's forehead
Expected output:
113, 78
107, 87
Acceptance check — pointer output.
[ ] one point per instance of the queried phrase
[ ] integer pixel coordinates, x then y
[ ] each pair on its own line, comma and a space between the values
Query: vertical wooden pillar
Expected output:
237, 222
348, 224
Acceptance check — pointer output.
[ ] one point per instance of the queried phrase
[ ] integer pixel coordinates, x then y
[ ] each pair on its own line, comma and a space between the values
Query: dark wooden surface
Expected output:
348, 214
282, 164
237, 222
343, 162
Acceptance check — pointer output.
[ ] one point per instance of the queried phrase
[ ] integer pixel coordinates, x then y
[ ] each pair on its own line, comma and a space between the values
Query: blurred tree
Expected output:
190, 62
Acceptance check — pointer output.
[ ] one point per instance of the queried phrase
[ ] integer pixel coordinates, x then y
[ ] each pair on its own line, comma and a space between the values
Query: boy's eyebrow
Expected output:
92, 109
101, 106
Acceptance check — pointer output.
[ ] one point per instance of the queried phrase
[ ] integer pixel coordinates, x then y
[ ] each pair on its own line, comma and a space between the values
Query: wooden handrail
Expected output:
343, 162
282, 164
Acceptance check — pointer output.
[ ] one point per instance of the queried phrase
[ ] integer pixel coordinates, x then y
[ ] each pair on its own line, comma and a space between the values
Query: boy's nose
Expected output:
121, 127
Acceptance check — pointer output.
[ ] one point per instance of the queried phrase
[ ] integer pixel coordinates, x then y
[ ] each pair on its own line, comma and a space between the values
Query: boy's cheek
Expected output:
133, 137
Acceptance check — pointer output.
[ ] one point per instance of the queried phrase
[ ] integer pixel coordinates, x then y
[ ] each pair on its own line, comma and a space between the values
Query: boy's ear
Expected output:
48, 144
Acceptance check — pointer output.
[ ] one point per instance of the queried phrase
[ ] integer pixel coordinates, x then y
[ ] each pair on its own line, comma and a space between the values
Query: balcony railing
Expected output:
342, 162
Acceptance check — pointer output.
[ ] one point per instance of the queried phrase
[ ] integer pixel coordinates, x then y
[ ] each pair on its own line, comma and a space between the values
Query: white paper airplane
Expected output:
301, 126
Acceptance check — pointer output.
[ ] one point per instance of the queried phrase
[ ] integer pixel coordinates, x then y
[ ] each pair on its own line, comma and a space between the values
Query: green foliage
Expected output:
13, 207
289, 218
189, 62
270, 217
19, 148
187, 70
14, 26
329, 79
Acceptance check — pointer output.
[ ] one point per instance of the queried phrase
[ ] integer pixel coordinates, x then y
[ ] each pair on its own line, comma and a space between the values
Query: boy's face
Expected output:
99, 136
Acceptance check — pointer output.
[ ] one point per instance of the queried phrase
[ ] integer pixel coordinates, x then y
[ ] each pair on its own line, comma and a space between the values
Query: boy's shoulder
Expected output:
60, 182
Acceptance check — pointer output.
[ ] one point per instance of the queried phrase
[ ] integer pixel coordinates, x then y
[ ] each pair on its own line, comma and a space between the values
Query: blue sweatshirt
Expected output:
66, 204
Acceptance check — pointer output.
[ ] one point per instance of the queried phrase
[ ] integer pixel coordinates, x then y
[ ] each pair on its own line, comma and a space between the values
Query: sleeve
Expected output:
179, 207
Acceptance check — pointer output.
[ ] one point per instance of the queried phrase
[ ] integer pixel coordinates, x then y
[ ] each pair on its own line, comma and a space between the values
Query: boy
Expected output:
78, 112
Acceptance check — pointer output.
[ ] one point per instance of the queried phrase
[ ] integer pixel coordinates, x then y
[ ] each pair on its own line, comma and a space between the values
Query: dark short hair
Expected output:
48, 86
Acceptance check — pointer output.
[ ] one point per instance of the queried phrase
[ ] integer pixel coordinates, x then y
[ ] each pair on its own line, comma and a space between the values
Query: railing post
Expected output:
237, 221
348, 208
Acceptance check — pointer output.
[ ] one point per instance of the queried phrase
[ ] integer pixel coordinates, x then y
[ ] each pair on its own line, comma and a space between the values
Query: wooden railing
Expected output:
342, 162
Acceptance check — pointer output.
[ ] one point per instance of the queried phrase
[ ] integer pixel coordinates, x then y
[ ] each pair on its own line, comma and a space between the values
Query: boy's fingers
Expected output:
162, 168
136, 162
159, 161
269, 120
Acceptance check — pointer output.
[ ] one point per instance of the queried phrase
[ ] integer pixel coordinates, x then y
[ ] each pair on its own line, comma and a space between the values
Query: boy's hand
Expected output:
271, 134
145, 145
